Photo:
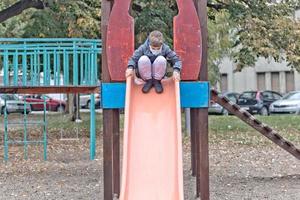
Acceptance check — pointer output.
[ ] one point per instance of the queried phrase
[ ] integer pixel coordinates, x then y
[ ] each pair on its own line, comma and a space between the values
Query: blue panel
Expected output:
192, 95
113, 95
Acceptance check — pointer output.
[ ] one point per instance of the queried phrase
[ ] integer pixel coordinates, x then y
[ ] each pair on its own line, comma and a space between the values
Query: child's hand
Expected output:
176, 75
129, 72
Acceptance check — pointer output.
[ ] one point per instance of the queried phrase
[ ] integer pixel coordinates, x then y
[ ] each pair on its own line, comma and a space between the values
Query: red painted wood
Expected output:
120, 39
187, 39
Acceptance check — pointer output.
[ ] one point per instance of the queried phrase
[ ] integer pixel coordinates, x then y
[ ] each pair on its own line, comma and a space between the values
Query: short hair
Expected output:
156, 38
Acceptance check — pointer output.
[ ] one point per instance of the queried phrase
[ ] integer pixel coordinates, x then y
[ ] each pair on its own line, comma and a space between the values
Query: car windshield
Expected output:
292, 96
8, 97
248, 95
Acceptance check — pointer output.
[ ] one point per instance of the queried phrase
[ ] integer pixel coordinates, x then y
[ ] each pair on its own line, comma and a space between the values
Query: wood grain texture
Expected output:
187, 39
120, 39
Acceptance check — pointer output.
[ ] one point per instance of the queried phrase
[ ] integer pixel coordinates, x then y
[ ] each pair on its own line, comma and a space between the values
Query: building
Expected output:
265, 75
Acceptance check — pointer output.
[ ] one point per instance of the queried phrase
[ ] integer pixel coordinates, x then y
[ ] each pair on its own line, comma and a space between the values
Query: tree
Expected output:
50, 18
241, 29
261, 28
19, 7
245, 29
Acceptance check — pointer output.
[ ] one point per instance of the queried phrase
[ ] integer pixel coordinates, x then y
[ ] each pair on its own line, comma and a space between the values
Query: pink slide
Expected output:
152, 153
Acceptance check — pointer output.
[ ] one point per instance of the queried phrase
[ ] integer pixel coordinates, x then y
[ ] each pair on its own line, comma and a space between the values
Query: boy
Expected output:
150, 61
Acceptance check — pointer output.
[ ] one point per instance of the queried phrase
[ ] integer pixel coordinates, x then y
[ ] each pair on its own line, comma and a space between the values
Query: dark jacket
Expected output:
166, 52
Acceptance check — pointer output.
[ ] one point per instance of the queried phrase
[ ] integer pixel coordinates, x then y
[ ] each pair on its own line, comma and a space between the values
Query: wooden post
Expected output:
200, 116
111, 130
116, 153
193, 139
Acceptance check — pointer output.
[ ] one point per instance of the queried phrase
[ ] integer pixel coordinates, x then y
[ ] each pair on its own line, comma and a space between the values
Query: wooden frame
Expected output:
49, 89
199, 119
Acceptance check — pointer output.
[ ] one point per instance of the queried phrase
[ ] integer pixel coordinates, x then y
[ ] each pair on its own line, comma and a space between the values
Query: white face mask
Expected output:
154, 51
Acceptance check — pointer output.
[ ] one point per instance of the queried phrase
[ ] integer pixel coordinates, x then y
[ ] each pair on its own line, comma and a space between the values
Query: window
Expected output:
232, 97
276, 96
268, 96
224, 83
261, 81
248, 95
275, 81
290, 81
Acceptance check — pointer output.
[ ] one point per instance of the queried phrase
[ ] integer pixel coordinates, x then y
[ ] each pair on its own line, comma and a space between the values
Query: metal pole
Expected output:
25, 131
188, 121
5, 132
92, 128
45, 130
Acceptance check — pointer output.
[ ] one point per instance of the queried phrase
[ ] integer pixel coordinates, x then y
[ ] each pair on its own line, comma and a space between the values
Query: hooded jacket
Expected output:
166, 52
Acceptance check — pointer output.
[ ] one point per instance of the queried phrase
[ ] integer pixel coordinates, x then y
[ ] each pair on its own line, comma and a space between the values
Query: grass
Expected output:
232, 129
221, 128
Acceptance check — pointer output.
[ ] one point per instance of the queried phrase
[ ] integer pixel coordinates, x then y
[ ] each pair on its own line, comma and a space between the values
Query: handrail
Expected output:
61, 61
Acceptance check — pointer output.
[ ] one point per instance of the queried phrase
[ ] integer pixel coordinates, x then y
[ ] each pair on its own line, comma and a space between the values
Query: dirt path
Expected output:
237, 172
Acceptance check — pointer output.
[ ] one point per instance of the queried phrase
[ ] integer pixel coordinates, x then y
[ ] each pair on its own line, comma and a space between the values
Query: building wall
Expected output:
266, 74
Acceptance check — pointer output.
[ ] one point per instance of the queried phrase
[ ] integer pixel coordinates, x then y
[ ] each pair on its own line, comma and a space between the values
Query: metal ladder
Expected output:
25, 140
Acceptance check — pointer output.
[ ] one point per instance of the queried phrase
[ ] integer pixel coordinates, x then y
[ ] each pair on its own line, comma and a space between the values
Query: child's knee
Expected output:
161, 61
144, 59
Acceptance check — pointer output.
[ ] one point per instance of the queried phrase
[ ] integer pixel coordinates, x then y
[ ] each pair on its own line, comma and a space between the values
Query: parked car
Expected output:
13, 104
290, 103
85, 100
215, 108
258, 102
37, 103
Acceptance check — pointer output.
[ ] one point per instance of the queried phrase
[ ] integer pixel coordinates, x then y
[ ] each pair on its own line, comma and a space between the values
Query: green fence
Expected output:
24, 61
50, 62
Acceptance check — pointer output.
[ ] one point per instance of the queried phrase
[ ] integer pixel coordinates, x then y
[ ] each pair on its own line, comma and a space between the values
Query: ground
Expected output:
241, 167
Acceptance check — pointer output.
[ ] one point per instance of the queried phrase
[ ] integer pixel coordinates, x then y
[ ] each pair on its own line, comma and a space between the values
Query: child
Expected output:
150, 61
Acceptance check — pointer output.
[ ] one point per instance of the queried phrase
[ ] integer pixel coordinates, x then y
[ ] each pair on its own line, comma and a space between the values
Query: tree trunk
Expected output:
19, 7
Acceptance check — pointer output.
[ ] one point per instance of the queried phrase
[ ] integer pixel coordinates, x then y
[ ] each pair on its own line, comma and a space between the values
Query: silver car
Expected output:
215, 108
290, 103
13, 104
85, 100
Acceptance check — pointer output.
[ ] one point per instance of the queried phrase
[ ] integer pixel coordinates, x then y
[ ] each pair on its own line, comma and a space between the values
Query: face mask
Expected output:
155, 52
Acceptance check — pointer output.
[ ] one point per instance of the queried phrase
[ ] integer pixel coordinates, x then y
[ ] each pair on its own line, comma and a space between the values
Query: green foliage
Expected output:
154, 15
66, 19
62, 19
264, 29
220, 43
14, 27
241, 29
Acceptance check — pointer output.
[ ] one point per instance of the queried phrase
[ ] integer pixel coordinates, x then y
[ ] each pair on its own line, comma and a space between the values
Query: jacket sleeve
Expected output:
173, 58
136, 56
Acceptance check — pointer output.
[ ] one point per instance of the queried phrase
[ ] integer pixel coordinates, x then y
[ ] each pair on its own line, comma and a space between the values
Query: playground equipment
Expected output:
25, 142
161, 142
29, 64
153, 169
256, 124
118, 44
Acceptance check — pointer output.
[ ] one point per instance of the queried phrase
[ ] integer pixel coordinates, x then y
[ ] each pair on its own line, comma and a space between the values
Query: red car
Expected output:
37, 103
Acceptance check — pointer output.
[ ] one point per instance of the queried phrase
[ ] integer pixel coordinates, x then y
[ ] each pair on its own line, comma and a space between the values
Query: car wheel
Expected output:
225, 112
264, 111
60, 109
31, 107
27, 112
88, 105
3, 110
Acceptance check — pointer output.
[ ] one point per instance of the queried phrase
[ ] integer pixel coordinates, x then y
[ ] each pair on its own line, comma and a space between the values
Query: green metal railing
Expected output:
51, 62
73, 59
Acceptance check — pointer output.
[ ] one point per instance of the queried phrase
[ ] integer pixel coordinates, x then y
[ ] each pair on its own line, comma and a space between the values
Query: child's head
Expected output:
156, 39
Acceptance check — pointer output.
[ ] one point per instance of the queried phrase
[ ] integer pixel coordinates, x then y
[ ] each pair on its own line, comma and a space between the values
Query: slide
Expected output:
152, 153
